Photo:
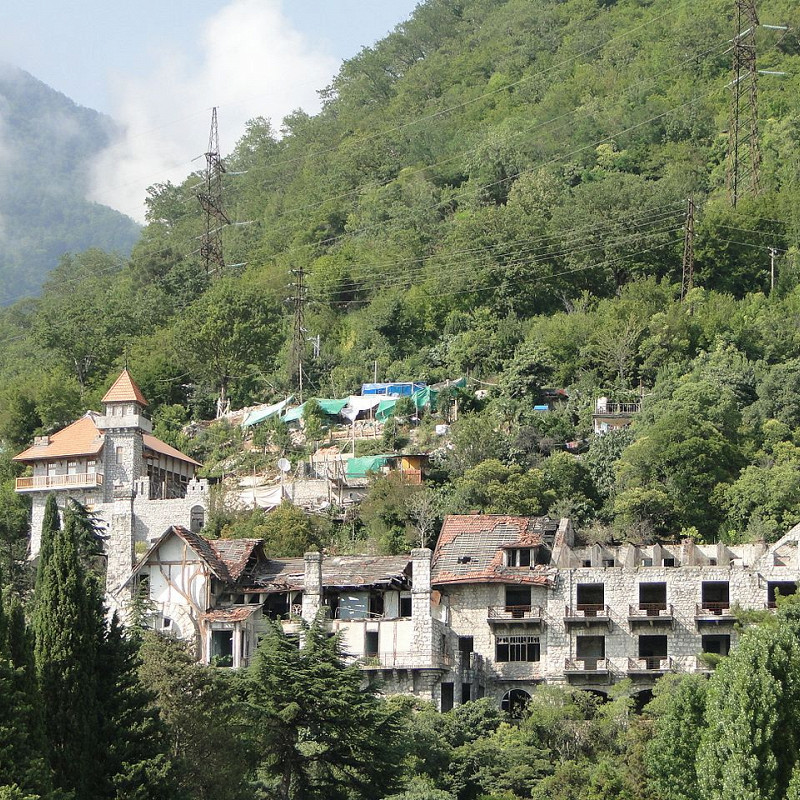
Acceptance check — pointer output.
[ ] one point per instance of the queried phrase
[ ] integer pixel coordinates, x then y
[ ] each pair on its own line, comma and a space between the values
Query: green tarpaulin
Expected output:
360, 467
330, 406
385, 409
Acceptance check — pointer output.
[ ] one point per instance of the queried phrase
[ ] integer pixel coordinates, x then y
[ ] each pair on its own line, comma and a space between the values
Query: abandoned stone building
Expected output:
135, 484
503, 604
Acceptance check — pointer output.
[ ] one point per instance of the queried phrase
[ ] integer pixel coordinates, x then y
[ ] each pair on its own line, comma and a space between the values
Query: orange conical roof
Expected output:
125, 390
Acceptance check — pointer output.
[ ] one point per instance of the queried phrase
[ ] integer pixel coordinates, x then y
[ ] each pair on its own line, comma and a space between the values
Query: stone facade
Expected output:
134, 484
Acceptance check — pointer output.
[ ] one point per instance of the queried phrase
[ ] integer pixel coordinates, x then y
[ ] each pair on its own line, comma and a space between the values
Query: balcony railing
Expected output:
83, 480
587, 611
586, 665
404, 660
650, 664
710, 608
650, 611
514, 614
611, 409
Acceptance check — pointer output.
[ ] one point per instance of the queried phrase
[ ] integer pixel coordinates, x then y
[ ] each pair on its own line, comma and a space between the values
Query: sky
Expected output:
159, 66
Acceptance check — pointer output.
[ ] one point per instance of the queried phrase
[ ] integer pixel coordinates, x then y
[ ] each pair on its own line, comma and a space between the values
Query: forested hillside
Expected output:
48, 143
497, 189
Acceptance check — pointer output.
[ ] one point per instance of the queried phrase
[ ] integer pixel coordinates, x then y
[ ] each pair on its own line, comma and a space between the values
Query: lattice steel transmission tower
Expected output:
211, 202
299, 333
687, 276
744, 155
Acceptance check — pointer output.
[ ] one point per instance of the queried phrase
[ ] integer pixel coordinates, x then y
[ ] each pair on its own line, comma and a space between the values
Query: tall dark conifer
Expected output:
66, 629
51, 522
22, 746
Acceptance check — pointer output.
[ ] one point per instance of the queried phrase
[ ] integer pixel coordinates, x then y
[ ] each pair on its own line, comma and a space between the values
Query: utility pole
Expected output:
211, 203
772, 253
688, 250
299, 335
744, 156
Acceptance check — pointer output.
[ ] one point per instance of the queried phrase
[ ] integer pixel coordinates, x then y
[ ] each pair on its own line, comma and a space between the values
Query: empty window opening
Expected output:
466, 692
716, 596
222, 648
376, 605
166, 623
518, 599
481, 693
587, 562
405, 605
466, 644
517, 648
717, 643
276, 606
591, 597
782, 588
371, 643
514, 703
608, 562
590, 650
197, 519
669, 561
542, 555
652, 650
518, 557
652, 598
447, 697
647, 562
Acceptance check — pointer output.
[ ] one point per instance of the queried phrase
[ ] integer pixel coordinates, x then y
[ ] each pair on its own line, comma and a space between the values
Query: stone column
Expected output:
312, 591
424, 646
120, 550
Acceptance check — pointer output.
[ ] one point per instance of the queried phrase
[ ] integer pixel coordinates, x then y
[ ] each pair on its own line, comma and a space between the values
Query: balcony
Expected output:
523, 616
714, 612
586, 666
588, 614
43, 483
616, 409
651, 614
650, 665
404, 660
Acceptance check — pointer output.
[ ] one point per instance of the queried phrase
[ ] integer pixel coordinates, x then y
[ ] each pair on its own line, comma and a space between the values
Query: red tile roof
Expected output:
124, 390
470, 549
82, 438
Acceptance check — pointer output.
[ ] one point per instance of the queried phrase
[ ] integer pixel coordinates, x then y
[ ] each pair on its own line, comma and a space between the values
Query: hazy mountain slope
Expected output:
46, 145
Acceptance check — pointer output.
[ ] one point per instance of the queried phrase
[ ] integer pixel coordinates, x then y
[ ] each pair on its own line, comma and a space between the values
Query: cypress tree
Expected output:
66, 626
51, 522
22, 759
133, 761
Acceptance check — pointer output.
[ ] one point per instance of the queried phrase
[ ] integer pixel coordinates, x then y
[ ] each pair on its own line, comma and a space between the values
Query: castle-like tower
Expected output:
133, 482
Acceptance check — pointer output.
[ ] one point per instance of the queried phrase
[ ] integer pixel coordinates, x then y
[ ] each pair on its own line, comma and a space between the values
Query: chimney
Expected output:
312, 586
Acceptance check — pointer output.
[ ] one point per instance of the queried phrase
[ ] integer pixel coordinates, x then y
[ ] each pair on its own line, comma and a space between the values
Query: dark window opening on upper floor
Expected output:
517, 648
591, 597
718, 643
782, 588
716, 596
653, 597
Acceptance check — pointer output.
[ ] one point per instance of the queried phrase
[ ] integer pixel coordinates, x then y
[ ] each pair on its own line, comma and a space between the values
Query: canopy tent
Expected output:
385, 409
293, 414
265, 412
361, 467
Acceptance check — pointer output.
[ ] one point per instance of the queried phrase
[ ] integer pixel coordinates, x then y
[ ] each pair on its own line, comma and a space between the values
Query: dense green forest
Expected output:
497, 189
48, 146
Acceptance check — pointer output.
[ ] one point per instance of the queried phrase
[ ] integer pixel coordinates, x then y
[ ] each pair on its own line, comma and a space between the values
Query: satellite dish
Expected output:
284, 465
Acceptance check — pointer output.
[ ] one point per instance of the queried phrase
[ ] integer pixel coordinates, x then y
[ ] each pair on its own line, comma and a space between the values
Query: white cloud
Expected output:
254, 64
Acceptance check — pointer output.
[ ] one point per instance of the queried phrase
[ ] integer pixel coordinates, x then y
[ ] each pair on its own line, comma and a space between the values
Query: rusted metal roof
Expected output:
470, 549
157, 446
124, 390
230, 614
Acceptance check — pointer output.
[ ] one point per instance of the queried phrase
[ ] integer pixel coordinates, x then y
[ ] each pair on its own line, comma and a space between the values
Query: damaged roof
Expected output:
470, 549
341, 572
231, 614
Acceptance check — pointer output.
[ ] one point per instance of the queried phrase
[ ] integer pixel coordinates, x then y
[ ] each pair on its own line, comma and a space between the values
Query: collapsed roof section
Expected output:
471, 548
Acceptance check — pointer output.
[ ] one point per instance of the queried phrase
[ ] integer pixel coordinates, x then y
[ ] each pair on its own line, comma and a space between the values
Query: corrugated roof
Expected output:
470, 549
157, 446
124, 390
82, 438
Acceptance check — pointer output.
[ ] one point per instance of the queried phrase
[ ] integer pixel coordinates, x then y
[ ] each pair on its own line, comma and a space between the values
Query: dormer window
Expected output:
518, 557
